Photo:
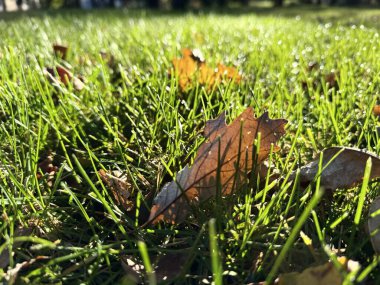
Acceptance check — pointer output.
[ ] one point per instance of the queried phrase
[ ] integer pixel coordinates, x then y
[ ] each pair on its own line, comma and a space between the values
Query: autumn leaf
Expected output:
64, 76
343, 167
376, 110
221, 164
374, 224
47, 168
60, 50
319, 275
192, 68
119, 186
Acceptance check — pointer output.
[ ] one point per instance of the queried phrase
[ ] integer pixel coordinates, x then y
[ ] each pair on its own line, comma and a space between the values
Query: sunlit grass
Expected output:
132, 117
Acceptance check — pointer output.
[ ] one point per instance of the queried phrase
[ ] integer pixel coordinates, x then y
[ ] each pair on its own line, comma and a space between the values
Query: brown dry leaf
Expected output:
4, 256
331, 79
376, 110
226, 156
374, 224
134, 270
119, 186
11, 275
60, 50
346, 170
170, 265
64, 76
192, 68
319, 275
47, 167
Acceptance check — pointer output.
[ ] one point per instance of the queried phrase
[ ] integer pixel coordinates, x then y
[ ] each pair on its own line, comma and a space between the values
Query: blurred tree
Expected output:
179, 4
3, 5
153, 4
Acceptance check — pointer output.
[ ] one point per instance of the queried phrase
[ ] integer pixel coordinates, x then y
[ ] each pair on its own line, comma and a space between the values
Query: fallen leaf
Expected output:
4, 256
319, 275
47, 167
170, 265
119, 186
60, 50
11, 275
374, 224
192, 68
228, 72
331, 80
64, 76
346, 170
134, 270
222, 162
376, 110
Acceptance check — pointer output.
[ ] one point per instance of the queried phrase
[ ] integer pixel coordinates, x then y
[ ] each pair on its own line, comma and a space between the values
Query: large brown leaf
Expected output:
222, 163
343, 167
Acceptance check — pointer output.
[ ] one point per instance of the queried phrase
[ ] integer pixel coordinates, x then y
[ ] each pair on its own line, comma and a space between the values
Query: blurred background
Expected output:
17, 5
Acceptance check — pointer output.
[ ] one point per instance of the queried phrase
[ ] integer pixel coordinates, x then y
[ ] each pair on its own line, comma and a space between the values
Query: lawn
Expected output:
61, 223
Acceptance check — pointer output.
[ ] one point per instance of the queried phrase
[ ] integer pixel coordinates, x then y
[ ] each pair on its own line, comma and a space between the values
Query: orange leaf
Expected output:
376, 110
227, 156
191, 68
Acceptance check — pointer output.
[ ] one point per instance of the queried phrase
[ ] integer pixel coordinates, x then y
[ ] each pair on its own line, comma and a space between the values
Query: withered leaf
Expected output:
346, 170
4, 256
119, 186
319, 275
222, 162
60, 50
64, 76
170, 265
133, 269
376, 110
374, 224
192, 68
47, 168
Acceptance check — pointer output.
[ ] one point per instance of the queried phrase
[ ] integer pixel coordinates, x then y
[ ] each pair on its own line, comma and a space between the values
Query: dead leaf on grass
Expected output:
376, 110
192, 68
64, 76
134, 270
325, 274
11, 275
346, 170
170, 265
319, 275
47, 168
4, 256
374, 224
60, 50
222, 162
119, 186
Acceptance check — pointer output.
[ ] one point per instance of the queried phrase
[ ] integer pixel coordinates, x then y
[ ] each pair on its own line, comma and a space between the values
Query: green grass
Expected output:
134, 118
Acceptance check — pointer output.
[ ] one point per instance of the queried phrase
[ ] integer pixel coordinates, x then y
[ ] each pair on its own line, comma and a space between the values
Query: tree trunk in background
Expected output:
278, 3
4, 5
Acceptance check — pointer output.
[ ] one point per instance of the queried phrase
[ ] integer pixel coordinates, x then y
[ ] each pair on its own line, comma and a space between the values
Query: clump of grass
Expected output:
132, 117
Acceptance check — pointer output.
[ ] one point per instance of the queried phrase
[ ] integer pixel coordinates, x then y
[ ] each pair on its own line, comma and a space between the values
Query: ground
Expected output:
61, 223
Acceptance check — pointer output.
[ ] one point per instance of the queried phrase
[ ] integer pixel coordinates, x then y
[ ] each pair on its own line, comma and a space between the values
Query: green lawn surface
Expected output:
131, 116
